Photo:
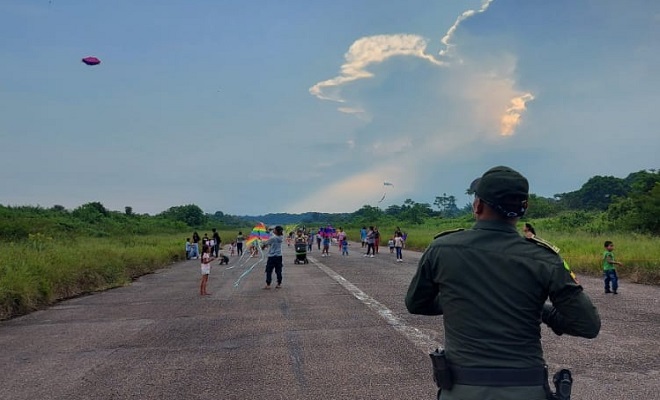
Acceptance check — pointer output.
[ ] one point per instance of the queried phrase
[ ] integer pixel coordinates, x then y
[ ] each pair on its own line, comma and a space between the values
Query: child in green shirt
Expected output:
609, 269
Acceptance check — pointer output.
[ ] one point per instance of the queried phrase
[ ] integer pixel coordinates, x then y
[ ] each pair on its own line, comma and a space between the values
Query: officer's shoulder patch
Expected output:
443, 233
544, 243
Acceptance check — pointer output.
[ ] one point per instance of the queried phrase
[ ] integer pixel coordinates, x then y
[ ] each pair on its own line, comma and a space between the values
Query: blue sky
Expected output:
254, 107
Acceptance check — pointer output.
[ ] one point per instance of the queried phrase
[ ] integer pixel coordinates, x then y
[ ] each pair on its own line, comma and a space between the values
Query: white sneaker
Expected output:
372, 256
366, 255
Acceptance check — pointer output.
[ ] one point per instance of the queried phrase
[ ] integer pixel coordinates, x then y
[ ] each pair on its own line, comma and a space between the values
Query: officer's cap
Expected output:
504, 189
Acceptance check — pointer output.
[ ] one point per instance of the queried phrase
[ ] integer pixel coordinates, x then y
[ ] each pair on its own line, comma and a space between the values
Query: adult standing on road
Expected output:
376, 239
370, 243
274, 262
491, 285
195, 245
217, 242
239, 243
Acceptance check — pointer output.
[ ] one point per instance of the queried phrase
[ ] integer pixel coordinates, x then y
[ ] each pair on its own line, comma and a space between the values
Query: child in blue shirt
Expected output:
326, 245
344, 246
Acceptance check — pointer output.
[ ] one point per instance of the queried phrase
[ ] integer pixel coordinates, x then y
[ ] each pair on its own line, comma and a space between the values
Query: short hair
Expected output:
607, 243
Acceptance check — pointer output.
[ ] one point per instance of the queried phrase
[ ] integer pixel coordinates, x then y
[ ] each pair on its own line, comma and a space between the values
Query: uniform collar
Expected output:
495, 225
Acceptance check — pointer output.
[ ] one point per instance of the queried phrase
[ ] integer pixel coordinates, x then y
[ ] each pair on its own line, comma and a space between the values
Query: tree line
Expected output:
603, 203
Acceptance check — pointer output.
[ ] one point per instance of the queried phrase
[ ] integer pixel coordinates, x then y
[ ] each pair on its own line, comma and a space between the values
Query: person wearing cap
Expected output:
491, 286
274, 261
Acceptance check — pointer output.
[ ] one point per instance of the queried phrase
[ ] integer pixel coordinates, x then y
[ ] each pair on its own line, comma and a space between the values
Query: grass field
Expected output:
43, 270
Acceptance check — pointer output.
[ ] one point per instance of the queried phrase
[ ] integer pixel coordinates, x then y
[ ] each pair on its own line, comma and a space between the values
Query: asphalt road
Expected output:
337, 329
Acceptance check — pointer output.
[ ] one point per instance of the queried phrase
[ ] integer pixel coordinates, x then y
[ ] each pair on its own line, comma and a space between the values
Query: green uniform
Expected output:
490, 284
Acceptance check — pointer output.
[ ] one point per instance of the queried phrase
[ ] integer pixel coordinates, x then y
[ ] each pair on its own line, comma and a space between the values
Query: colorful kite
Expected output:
259, 233
91, 61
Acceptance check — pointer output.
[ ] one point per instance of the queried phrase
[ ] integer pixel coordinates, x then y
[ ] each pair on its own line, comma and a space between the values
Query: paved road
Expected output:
338, 329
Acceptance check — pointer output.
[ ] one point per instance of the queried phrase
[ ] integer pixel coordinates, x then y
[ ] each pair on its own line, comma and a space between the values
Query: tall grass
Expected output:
38, 272
41, 270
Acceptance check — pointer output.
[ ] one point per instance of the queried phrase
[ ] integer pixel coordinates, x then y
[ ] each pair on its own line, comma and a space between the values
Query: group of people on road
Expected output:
192, 246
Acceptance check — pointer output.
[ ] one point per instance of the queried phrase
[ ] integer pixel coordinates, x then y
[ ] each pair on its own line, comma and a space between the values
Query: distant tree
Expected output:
393, 210
542, 207
58, 208
597, 194
643, 181
447, 205
128, 210
640, 211
191, 214
368, 214
415, 213
91, 212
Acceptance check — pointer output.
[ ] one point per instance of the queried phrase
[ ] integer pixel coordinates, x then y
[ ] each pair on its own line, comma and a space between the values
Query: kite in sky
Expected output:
385, 193
91, 61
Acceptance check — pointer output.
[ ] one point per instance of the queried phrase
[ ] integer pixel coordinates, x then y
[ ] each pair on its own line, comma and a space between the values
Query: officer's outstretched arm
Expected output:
423, 295
571, 312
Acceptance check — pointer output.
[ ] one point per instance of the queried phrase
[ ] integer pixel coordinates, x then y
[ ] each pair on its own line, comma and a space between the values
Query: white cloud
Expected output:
512, 116
465, 15
371, 50
493, 101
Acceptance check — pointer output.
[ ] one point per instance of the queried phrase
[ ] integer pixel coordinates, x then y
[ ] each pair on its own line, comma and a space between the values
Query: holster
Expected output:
563, 381
441, 371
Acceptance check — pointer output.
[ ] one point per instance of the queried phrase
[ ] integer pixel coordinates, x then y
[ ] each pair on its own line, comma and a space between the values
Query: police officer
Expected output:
491, 285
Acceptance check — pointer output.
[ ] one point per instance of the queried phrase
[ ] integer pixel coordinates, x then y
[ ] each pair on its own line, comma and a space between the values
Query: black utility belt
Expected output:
498, 377
446, 374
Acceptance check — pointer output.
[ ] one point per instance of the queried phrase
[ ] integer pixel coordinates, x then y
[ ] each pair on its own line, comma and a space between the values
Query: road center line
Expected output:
414, 335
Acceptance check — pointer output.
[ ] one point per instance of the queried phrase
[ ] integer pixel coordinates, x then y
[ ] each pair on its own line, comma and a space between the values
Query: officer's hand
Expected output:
551, 317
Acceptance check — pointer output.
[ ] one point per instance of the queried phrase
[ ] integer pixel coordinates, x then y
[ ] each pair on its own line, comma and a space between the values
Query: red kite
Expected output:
91, 61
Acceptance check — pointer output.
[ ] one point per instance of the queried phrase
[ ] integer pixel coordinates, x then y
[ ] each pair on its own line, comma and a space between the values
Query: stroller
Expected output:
301, 252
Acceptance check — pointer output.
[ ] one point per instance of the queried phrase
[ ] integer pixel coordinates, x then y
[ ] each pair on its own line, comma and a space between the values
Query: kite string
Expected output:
246, 272
239, 262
